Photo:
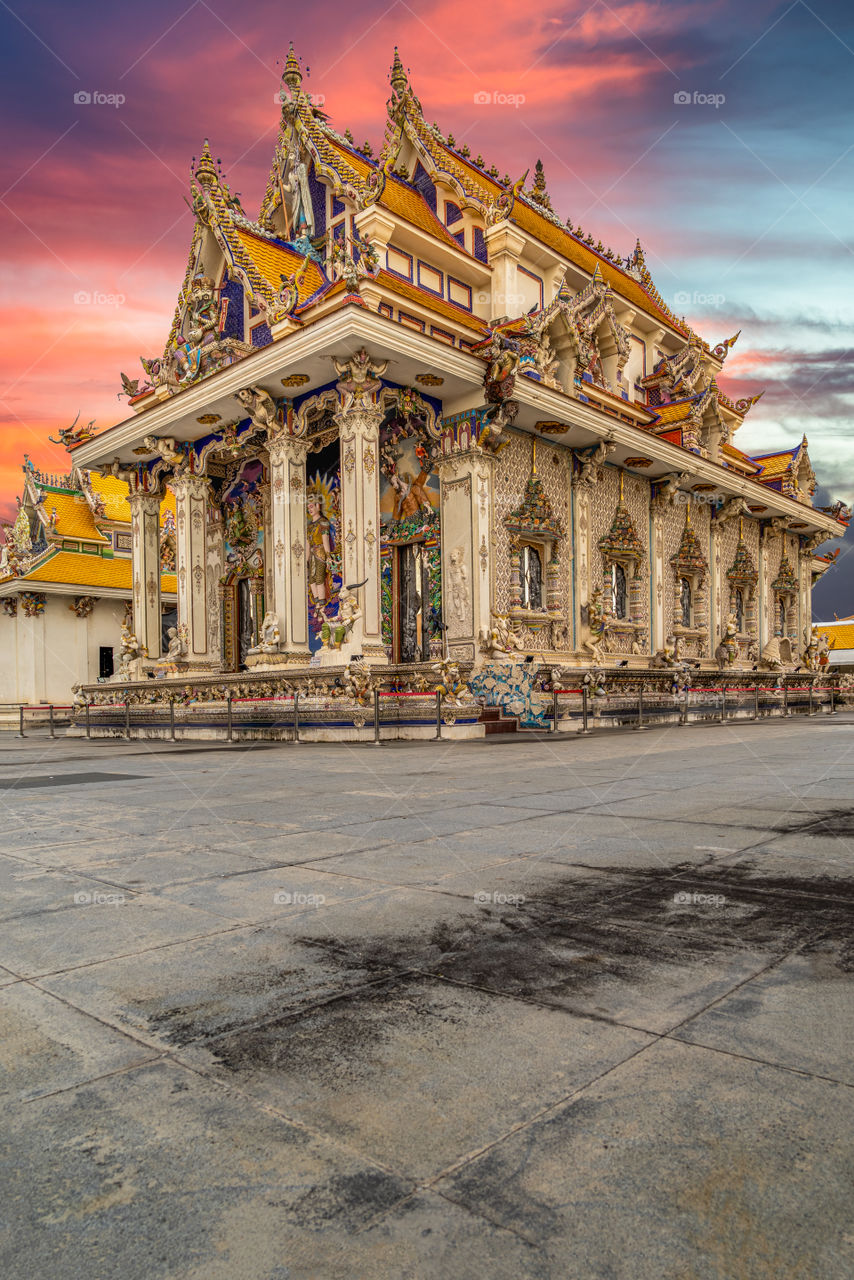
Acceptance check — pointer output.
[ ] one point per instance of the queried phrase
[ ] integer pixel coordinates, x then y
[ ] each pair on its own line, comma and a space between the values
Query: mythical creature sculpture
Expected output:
668, 487
359, 375
177, 646
356, 682
69, 437
731, 510
500, 638
260, 406
727, 651
597, 625
451, 685
592, 461
170, 450
131, 655
298, 210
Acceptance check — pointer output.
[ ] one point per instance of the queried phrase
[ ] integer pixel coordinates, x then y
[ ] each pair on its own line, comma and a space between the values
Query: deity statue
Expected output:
597, 625
202, 331
360, 373
297, 206
176, 647
270, 637
131, 655
260, 406
319, 548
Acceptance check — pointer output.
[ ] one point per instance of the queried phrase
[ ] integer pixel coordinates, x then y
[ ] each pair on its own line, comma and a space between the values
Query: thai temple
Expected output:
407, 417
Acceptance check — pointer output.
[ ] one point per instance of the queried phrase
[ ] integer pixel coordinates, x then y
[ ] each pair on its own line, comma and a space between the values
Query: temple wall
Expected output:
46, 654
512, 472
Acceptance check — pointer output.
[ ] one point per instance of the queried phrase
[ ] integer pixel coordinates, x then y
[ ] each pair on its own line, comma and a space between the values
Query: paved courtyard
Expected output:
517, 1008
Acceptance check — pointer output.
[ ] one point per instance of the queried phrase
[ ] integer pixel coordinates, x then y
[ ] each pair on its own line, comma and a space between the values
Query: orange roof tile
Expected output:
672, 413
408, 204
273, 261
841, 633
446, 310
114, 493
73, 516
568, 247
774, 465
72, 568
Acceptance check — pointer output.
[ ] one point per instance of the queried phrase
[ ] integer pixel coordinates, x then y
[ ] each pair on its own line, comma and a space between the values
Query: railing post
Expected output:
584, 728
785, 698
127, 719
756, 702
376, 717
50, 715
88, 733
229, 727
832, 691
810, 704
723, 704
554, 710
296, 715
438, 714
21, 722
640, 723
172, 719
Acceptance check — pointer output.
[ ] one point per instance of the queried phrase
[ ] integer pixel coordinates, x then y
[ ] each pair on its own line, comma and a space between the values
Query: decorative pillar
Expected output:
191, 519
659, 636
359, 424
504, 247
145, 562
286, 553
466, 481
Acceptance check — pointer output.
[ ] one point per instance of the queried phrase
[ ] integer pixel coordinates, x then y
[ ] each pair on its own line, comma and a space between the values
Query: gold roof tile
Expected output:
274, 261
446, 310
73, 568
73, 516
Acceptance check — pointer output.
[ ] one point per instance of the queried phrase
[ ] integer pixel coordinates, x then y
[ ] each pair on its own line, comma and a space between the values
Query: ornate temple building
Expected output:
406, 413
66, 584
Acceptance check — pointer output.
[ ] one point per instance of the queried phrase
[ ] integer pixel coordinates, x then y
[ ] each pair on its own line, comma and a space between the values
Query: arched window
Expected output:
738, 602
619, 591
685, 601
532, 578
453, 213
781, 617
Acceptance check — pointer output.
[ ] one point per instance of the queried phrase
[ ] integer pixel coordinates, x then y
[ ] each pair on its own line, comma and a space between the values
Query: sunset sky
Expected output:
743, 205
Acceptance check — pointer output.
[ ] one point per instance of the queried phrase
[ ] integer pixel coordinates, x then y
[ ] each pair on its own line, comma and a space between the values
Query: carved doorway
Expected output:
411, 640
242, 612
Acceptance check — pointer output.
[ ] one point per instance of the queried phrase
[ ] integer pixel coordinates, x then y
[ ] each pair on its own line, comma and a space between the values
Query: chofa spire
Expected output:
292, 74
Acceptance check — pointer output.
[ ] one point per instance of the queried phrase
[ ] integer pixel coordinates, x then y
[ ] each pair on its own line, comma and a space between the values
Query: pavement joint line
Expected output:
764, 1062
90, 1080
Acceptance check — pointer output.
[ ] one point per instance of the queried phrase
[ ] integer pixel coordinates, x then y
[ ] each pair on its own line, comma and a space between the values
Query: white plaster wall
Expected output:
42, 657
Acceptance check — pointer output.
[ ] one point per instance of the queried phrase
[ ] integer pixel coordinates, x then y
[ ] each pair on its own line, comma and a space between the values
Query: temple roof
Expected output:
72, 568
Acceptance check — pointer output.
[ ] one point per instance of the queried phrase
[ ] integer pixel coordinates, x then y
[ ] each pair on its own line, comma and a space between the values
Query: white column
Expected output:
466, 481
360, 518
504, 246
287, 552
191, 517
659, 585
145, 561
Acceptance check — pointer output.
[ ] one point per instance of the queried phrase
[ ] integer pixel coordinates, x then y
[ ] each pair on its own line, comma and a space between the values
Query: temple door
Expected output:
412, 632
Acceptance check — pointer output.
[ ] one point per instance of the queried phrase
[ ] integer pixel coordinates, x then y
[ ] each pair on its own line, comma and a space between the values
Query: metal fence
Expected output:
41, 716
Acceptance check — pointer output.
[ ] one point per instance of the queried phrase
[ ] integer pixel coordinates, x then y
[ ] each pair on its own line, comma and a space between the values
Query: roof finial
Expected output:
292, 74
206, 173
398, 78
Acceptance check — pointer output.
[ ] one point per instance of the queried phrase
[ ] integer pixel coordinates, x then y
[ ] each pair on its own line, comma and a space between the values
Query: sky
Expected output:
719, 133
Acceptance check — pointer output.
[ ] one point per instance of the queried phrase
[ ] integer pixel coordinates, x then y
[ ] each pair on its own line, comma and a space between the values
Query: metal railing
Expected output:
50, 715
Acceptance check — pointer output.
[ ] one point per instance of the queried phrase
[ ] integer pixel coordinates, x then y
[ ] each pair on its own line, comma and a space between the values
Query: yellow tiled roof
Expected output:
579, 254
673, 413
73, 516
446, 310
841, 633
740, 459
78, 570
775, 464
408, 204
273, 261
115, 495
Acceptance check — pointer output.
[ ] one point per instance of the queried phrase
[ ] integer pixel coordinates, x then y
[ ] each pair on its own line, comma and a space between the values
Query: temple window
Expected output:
781, 617
738, 607
532, 578
619, 591
686, 602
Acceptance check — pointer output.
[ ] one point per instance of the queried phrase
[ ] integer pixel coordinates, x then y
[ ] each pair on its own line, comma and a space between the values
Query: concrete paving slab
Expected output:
672, 1166
105, 923
155, 1171
798, 1014
46, 1046
440, 1060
